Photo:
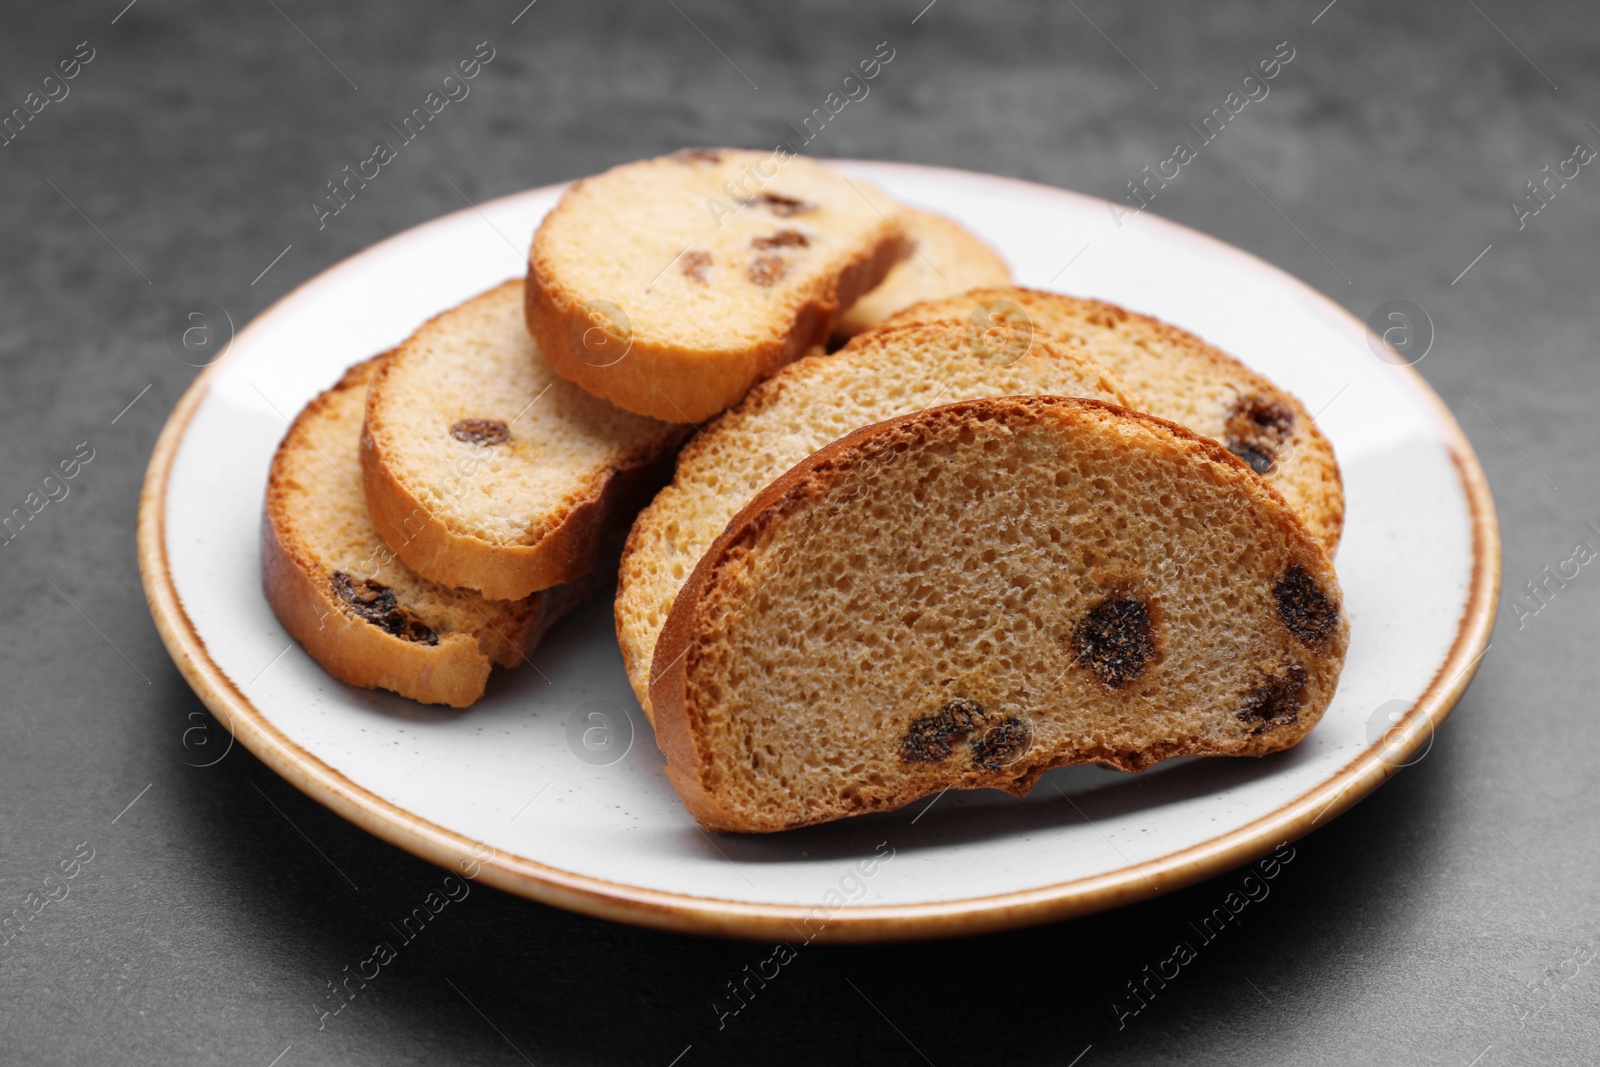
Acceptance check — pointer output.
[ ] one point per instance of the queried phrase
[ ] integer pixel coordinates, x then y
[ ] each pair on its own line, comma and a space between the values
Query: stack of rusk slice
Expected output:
998, 531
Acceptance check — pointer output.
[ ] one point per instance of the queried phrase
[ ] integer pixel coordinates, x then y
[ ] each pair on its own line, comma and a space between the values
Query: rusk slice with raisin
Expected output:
946, 258
672, 285
484, 469
968, 596
819, 399
1182, 379
340, 592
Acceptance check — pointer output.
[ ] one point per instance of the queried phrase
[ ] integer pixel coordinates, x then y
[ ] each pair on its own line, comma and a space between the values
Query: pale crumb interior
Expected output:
957, 565
323, 515
712, 252
807, 405
561, 444
1181, 379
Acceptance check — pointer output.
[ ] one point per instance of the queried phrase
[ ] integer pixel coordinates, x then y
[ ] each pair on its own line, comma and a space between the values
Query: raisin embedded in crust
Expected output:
931, 737
695, 264
374, 602
1304, 608
1001, 744
768, 270
1256, 429
1115, 641
481, 431
784, 206
1276, 701
782, 239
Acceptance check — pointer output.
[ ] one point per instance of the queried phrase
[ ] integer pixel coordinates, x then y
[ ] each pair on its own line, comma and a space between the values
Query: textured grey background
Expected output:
1450, 916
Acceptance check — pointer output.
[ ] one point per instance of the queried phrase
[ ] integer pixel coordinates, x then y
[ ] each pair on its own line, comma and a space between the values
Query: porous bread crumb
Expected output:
1183, 379
706, 271
896, 615
342, 593
485, 469
808, 404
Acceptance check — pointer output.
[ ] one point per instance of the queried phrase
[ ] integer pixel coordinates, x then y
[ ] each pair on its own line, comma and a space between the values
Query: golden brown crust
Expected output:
682, 728
568, 552
664, 380
946, 258
873, 362
1317, 491
453, 672
569, 546
299, 588
682, 386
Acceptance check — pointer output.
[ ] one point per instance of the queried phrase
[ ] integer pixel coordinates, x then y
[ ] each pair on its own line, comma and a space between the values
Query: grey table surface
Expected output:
1449, 918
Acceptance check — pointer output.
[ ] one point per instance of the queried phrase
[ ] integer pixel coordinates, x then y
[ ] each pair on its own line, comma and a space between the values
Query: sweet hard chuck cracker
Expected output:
808, 404
484, 469
671, 286
1182, 379
968, 596
340, 591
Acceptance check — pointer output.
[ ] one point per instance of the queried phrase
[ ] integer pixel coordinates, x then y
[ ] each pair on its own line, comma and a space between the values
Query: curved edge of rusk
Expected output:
680, 385
453, 671
1322, 512
705, 915
565, 552
895, 345
568, 552
679, 724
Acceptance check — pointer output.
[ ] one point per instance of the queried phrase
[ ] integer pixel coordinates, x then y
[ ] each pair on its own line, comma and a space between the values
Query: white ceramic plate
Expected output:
505, 781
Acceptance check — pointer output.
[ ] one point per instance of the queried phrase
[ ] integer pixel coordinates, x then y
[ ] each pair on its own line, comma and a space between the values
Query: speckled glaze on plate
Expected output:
553, 785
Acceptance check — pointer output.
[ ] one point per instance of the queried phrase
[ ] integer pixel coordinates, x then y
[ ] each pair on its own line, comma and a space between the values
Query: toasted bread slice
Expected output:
1183, 379
819, 399
672, 285
969, 596
340, 592
485, 470
946, 258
